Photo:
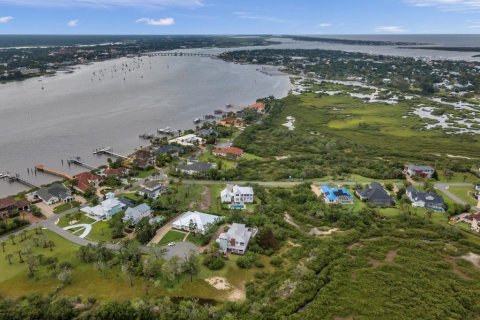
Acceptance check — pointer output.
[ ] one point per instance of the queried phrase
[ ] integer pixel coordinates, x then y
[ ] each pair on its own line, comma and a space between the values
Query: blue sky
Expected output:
239, 16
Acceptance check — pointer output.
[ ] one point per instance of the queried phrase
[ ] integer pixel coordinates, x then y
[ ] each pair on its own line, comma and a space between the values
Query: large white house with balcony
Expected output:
237, 194
235, 240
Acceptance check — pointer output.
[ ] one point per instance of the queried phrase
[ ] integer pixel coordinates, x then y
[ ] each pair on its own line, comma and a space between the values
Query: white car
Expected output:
171, 244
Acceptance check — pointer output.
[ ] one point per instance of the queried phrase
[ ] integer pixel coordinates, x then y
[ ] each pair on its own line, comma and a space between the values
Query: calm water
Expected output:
78, 112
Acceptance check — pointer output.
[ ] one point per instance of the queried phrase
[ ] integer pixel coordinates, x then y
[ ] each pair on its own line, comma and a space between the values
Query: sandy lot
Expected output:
222, 284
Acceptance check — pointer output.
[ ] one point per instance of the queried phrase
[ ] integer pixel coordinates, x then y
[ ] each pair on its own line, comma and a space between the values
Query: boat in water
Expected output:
166, 130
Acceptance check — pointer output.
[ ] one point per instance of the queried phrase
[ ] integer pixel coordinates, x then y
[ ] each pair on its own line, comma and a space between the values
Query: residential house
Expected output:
86, 180
195, 167
106, 209
336, 195
259, 107
55, 193
169, 149
207, 133
134, 215
376, 194
229, 152
144, 159
474, 221
114, 172
188, 140
235, 240
237, 194
427, 200
11, 205
414, 170
152, 189
198, 220
477, 189
231, 122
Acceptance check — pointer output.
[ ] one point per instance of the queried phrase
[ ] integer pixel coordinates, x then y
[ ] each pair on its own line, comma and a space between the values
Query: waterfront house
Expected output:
11, 205
106, 209
173, 151
229, 152
144, 159
237, 194
235, 240
414, 170
207, 133
114, 172
54, 193
259, 107
231, 122
195, 167
152, 189
336, 196
376, 194
427, 200
199, 221
86, 180
134, 215
188, 140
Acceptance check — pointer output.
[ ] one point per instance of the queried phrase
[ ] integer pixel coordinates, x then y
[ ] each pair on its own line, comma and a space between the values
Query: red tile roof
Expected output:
114, 172
85, 179
257, 106
7, 202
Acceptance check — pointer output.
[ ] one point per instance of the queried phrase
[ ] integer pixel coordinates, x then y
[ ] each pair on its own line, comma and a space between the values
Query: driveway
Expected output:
161, 233
180, 249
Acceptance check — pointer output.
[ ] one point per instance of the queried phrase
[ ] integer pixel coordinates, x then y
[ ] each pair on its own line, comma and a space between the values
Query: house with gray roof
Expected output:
376, 194
54, 193
152, 189
235, 240
134, 215
195, 167
427, 200
414, 170
168, 149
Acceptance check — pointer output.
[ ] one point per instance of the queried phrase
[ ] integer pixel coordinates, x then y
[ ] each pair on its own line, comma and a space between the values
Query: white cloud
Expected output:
106, 3
390, 29
325, 25
6, 19
248, 16
447, 5
73, 23
157, 22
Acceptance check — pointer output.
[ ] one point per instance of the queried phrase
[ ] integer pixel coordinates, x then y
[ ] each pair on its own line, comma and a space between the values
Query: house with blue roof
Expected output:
336, 196
133, 215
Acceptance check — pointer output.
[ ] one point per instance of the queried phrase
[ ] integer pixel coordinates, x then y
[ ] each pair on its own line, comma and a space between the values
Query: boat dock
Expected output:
179, 54
109, 151
78, 161
16, 178
42, 168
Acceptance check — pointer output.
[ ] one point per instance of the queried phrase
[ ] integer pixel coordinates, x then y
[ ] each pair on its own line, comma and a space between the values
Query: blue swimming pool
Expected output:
237, 206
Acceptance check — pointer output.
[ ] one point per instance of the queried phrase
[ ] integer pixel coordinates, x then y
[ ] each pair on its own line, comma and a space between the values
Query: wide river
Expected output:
110, 103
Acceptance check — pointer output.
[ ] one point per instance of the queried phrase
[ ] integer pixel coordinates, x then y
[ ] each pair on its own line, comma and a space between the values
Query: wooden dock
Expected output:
78, 161
40, 167
109, 151
16, 178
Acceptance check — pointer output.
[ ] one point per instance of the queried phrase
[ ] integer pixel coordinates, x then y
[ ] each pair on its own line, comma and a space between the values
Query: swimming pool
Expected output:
237, 206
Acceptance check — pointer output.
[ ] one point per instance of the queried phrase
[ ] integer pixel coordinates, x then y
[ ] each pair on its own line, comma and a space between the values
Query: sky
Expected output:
239, 16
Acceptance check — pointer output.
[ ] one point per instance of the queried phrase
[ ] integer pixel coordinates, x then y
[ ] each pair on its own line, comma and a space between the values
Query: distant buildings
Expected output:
230, 122
106, 209
229, 152
54, 193
188, 140
419, 171
198, 221
336, 196
235, 240
427, 200
134, 215
259, 107
237, 194
376, 194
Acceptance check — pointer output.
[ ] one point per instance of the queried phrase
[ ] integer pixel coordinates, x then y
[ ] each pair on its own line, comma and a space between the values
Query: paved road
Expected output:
443, 187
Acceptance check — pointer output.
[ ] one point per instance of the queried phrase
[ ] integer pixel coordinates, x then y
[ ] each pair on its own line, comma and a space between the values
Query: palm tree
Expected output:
12, 237
9, 257
23, 235
20, 256
3, 244
51, 244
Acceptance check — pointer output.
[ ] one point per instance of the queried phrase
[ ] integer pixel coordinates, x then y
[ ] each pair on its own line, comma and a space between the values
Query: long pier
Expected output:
16, 178
78, 161
179, 54
109, 151
42, 168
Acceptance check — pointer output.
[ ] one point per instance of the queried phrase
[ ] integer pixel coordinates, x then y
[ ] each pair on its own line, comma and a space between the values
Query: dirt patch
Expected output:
455, 268
473, 258
355, 245
391, 256
316, 232
288, 218
316, 190
205, 203
222, 284
373, 262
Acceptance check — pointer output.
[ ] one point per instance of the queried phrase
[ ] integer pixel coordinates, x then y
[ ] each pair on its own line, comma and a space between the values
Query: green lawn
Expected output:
172, 236
64, 221
65, 206
225, 163
196, 239
464, 193
101, 231
146, 174
131, 196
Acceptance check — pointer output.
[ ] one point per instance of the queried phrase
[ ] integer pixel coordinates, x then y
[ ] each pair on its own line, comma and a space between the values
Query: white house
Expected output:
105, 210
200, 221
237, 194
235, 240
152, 189
187, 140
133, 215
